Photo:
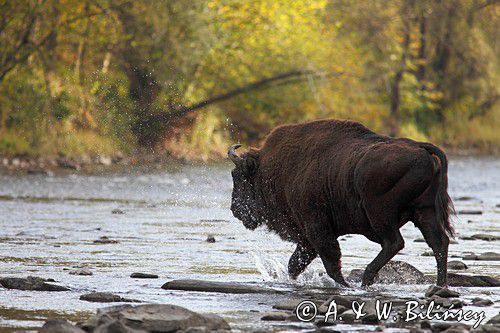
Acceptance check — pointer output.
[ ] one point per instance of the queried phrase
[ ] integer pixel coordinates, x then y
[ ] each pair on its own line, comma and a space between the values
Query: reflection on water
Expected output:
48, 226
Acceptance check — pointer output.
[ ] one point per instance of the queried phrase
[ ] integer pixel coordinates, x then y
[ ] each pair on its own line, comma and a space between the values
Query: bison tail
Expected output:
443, 204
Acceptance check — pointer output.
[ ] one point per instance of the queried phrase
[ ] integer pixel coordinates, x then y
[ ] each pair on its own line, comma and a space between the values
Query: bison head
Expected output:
243, 203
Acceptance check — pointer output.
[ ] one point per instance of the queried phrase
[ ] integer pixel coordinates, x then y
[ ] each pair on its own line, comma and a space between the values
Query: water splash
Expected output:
274, 269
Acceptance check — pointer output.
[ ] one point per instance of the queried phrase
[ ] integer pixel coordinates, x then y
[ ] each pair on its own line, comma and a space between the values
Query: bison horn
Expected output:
232, 154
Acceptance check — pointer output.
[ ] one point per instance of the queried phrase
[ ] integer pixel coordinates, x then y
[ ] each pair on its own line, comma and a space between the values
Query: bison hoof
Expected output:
367, 281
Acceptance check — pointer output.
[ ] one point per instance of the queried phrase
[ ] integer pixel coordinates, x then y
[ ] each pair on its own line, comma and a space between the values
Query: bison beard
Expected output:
311, 183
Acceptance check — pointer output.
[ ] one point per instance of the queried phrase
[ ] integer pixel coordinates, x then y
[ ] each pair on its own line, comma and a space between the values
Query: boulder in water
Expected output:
398, 272
456, 265
81, 271
106, 298
59, 326
152, 318
143, 276
459, 280
30, 283
441, 292
215, 286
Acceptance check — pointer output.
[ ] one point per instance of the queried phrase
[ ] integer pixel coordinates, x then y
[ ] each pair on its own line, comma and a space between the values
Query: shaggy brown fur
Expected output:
311, 183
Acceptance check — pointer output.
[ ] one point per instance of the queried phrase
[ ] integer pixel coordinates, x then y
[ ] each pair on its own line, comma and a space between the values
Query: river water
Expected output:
48, 225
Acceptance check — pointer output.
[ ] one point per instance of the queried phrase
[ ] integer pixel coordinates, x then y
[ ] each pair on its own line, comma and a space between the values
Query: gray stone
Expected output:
482, 302
394, 272
101, 297
216, 287
485, 237
348, 317
105, 240
489, 256
143, 276
456, 265
117, 211
59, 326
456, 329
81, 271
30, 283
495, 320
441, 292
469, 212
155, 318
458, 280
370, 318
210, 239
288, 305
275, 316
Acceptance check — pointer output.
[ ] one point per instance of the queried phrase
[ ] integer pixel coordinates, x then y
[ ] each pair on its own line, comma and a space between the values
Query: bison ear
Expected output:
250, 165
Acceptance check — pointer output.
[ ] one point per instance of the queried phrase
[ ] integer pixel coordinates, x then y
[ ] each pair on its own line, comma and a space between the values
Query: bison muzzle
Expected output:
311, 183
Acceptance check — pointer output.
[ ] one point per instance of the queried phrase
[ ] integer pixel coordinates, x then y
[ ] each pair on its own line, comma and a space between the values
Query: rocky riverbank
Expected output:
51, 165
328, 310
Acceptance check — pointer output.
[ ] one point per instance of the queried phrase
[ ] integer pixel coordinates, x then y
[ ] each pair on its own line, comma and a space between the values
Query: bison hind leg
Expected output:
392, 243
436, 238
299, 260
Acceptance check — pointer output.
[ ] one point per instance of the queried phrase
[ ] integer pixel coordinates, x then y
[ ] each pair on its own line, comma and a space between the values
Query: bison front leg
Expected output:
300, 259
330, 254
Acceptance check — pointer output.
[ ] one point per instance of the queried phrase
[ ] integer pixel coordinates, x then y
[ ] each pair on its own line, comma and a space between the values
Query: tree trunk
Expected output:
395, 93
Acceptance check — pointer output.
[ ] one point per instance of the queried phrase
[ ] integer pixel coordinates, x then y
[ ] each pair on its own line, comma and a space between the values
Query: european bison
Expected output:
311, 183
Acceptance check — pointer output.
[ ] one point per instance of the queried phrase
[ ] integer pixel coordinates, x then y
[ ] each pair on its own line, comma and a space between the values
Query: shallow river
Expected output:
48, 225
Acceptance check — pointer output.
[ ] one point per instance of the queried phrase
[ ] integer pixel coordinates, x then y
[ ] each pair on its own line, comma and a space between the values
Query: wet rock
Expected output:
217, 287
210, 239
59, 326
464, 198
456, 329
115, 326
344, 301
456, 265
81, 271
488, 329
326, 330
320, 322
100, 297
485, 237
394, 272
428, 254
288, 305
275, 316
105, 240
370, 318
143, 276
486, 256
152, 318
425, 325
348, 317
482, 302
117, 211
30, 283
470, 212
495, 320
458, 280
489, 256
323, 308
441, 292
446, 302
419, 240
